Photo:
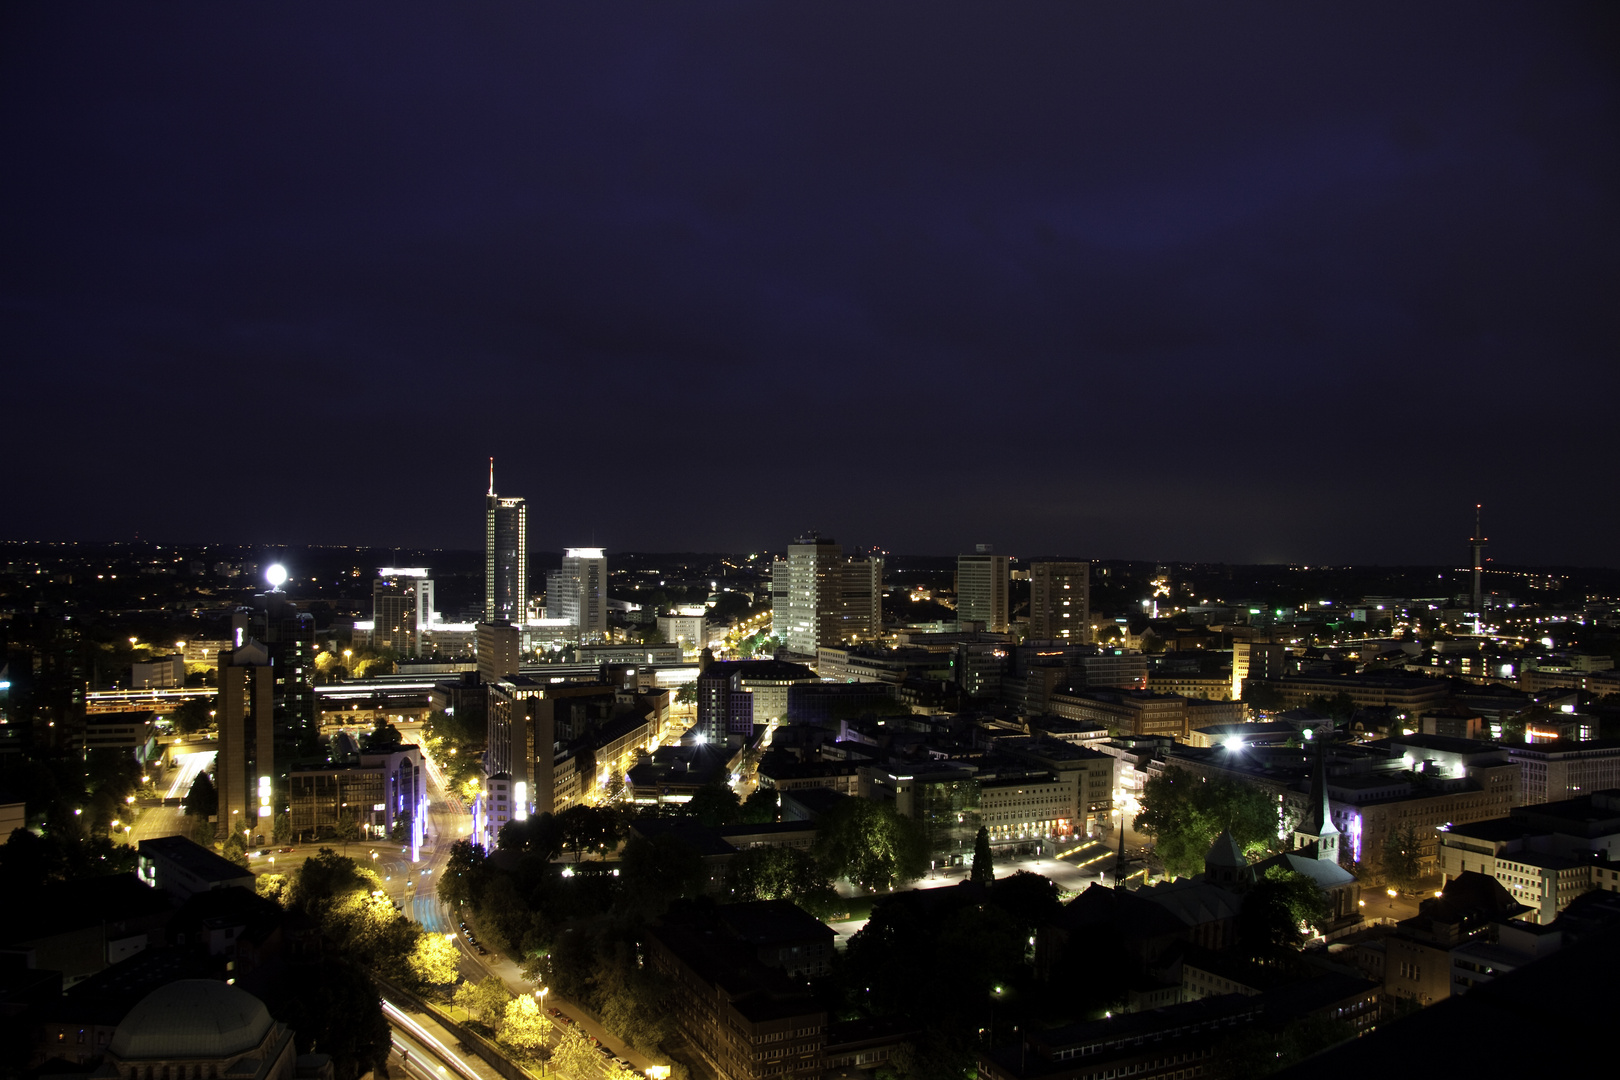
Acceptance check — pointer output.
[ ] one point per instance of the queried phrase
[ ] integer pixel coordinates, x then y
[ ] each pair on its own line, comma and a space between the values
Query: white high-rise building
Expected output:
402, 608
578, 592
981, 590
821, 598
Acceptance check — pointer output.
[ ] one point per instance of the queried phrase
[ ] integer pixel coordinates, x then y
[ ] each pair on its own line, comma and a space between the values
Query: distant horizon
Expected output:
1459, 566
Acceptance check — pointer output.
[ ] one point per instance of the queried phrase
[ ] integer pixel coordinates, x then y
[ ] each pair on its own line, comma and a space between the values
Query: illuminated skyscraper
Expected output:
578, 592
821, 598
506, 555
981, 589
401, 608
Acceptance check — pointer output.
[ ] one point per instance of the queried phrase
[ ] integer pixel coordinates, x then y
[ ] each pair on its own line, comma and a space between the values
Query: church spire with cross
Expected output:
1317, 825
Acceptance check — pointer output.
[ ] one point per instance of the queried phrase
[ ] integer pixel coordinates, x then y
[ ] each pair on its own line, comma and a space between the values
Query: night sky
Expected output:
1215, 282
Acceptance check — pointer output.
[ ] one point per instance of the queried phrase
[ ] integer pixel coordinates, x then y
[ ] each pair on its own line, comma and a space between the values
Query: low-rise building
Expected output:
1125, 712
377, 792
160, 673
741, 998
1564, 769
1544, 855
182, 868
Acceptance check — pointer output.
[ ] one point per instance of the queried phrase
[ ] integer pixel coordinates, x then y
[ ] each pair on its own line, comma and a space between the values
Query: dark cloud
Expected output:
1187, 282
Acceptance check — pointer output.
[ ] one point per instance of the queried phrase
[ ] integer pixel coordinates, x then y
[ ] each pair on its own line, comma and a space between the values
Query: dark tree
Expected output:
202, 800
1403, 857
1029, 898
383, 738
192, 716
1262, 696
715, 803
760, 807
333, 1008
465, 874
660, 870
984, 871
1274, 910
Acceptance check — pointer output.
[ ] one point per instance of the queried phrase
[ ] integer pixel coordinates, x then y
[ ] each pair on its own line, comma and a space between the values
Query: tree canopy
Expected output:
1184, 813
781, 873
1275, 909
870, 844
715, 803
1403, 857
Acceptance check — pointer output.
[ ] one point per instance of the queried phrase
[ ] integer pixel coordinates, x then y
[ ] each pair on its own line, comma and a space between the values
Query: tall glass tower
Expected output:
506, 555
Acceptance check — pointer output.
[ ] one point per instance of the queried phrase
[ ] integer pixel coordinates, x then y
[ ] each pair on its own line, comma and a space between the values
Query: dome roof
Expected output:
192, 1018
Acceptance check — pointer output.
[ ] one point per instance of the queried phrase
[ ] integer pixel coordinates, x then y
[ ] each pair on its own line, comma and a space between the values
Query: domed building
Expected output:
199, 1029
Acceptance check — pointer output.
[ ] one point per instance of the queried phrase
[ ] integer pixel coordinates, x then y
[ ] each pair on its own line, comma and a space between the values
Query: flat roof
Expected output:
194, 859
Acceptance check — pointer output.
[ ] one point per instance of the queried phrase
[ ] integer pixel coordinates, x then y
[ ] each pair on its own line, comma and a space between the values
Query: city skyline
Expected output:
1227, 285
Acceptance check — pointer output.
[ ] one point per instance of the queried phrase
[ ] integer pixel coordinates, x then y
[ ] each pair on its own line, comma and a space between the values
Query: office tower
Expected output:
814, 583
578, 592
521, 743
401, 608
861, 599
288, 636
498, 646
1256, 660
506, 556
821, 598
981, 589
780, 592
246, 763
1060, 601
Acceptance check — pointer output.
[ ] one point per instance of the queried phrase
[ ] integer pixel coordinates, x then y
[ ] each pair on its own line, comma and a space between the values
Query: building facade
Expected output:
245, 767
1060, 601
981, 591
578, 592
401, 608
823, 599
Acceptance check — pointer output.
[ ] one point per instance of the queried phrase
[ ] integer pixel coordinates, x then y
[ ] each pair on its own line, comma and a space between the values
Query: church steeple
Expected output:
1317, 825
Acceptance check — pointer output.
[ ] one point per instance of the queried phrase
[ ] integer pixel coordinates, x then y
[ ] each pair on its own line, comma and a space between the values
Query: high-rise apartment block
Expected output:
1060, 601
981, 590
506, 555
823, 599
578, 592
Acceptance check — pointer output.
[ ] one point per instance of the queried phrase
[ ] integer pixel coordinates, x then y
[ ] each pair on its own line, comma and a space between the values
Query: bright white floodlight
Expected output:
276, 575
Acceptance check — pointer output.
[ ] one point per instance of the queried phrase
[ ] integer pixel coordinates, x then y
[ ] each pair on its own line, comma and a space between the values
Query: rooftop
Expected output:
193, 858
